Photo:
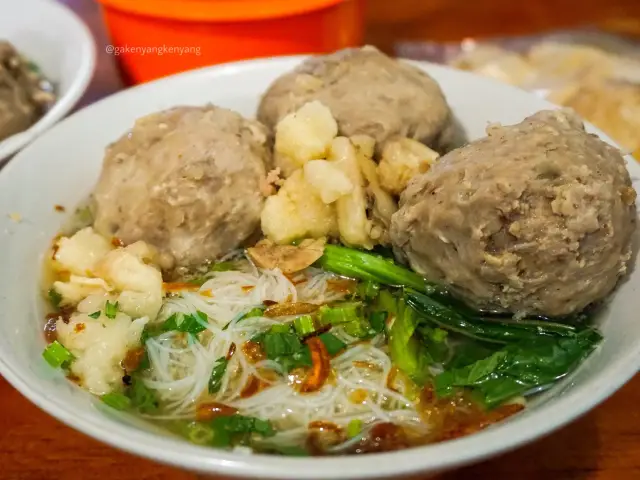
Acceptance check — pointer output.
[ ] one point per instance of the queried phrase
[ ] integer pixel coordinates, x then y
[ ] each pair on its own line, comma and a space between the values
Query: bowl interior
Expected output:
60, 45
61, 168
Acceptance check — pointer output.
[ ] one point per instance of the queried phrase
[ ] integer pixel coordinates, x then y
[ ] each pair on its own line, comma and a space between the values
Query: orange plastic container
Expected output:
155, 38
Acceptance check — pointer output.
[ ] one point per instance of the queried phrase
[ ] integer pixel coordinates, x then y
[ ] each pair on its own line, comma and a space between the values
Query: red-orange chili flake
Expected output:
172, 287
79, 327
116, 242
232, 350
253, 386
59, 208
209, 411
247, 288
253, 351
320, 368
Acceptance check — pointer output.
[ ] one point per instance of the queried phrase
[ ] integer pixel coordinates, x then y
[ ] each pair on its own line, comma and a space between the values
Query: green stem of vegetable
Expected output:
353, 263
57, 355
486, 330
340, 313
404, 348
304, 325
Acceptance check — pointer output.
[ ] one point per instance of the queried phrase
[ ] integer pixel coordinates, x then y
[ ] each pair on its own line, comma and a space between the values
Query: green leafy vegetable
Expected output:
378, 321
95, 315
285, 348
470, 351
435, 343
111, 309
451, 319
54, 298
332, 343
142, 397
228, 427
116, 400
371, 267
57, 355
215, 380
519, 367
192, 323
406, 352
304, 325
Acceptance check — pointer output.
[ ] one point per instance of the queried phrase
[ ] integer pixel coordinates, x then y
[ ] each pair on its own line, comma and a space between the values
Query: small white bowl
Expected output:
57, 41
62, 166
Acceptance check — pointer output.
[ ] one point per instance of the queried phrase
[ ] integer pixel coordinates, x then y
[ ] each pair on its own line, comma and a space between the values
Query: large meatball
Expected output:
535, 218
187, 180
368, 93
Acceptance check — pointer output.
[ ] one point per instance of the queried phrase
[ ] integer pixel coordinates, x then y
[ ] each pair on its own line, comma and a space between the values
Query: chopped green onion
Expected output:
357, 328
199, 433
304, 325
57, 355
111, 309
280, 328
95, 315
54, 297
340, 313
354, 427
215, 381
116, 400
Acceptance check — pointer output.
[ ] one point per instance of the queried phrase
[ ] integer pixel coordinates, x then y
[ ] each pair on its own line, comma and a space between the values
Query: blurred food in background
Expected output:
201, 33
596, 74
25, 95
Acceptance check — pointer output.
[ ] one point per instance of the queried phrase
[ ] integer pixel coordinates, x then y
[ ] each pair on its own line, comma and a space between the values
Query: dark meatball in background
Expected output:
368, 93
536, 218
186, 180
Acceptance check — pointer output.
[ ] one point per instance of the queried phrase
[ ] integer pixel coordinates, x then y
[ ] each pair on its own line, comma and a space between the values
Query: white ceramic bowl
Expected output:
56, 40
61, 168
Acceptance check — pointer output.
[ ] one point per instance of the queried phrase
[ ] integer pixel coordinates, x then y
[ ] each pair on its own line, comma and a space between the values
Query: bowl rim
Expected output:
64, 104
433, 458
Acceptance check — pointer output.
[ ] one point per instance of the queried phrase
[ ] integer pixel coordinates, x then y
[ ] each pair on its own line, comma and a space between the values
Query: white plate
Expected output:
61, 168
60, 44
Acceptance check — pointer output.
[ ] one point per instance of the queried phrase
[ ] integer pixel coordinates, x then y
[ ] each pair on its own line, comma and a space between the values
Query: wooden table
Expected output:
603, 445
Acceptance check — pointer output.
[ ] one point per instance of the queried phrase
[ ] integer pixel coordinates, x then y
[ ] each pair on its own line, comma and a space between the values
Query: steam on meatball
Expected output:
535, 218
187, 180
368, 93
